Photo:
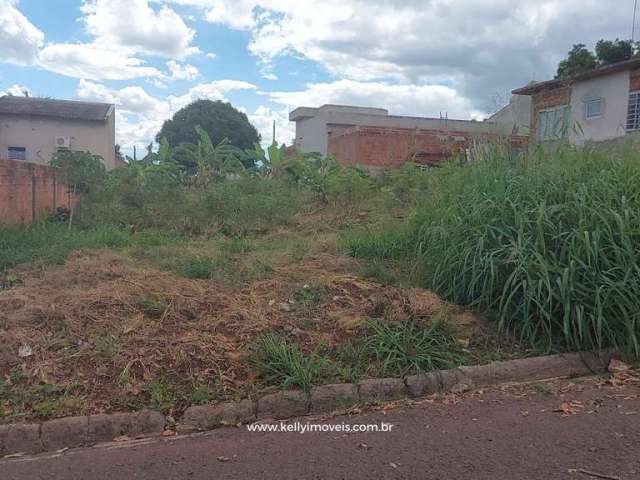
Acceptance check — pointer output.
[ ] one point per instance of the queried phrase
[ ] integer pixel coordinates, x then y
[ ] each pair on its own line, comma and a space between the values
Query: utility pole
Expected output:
633, 28
274, 132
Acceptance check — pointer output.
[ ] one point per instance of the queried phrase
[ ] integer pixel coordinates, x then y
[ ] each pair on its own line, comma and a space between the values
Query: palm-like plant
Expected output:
216, 161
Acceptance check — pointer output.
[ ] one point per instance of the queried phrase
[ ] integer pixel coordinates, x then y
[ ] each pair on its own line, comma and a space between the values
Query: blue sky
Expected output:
414, 57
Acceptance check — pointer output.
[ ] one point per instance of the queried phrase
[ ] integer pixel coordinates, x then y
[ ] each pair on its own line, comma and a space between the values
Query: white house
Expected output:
599, 105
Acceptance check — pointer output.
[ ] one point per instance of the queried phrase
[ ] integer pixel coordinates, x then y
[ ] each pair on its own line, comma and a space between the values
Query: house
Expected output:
595, 106
516, 115
33, 129
371, 138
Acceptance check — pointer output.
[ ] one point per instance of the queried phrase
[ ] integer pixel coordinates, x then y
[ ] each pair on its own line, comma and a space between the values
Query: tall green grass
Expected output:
549, 244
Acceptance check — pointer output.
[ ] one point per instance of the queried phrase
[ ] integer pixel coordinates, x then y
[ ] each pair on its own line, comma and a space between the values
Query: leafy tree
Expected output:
84, 172
579, 60
614, 51
218, 119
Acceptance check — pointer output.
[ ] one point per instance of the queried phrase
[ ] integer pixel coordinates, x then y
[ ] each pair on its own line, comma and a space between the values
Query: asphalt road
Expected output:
556, 431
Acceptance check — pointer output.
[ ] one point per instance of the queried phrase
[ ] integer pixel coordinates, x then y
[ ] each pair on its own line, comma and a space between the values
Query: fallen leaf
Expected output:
393, 465
616, 366
223, 459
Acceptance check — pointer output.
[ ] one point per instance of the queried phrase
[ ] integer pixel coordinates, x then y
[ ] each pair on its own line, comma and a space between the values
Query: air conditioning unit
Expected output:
63, 142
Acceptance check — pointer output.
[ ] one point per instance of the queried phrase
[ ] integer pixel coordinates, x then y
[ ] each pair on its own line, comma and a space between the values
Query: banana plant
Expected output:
216, 161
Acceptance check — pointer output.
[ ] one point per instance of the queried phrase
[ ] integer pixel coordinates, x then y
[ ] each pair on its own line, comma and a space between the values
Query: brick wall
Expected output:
634, 80
375, 147
29, 191
549, 98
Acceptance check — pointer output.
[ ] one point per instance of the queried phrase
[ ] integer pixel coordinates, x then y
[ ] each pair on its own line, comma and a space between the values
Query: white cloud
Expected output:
211, 55
17, 91
182, 71
413, 100
140, 115
92, 61
263, 119
481, 47
134, 25
20, 40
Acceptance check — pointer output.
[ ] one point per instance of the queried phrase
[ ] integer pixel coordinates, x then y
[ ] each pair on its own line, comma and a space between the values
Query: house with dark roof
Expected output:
33, 129
595, 106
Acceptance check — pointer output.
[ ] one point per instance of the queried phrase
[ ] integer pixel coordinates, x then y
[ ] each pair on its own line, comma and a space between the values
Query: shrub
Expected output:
252, 205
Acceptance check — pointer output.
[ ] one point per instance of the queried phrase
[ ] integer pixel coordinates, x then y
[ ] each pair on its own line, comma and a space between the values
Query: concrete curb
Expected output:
88, 430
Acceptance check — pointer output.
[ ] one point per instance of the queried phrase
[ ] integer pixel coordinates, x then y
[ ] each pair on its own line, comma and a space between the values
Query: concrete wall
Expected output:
516, 116
29, 191
38, 134
614, 89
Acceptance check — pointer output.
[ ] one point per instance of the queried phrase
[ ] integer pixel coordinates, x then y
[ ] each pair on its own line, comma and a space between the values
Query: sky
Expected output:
266, 57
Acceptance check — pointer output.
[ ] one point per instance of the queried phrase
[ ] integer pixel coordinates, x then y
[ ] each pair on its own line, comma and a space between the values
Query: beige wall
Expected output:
614, 90
38, 135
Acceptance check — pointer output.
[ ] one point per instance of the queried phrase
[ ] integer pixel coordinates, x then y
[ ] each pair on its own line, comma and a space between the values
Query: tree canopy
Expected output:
580, 59
218, 119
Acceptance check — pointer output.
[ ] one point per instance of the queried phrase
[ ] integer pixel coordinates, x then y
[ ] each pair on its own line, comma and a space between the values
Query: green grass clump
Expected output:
550, 244
284, 364
408, 348
200, 267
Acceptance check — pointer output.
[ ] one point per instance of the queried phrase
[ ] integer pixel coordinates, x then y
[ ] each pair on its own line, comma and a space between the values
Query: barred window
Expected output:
633, 114
17, 153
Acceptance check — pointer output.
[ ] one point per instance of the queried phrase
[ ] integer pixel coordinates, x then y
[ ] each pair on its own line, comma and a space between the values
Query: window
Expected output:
553, 123
633, 114
17, 153
593, 108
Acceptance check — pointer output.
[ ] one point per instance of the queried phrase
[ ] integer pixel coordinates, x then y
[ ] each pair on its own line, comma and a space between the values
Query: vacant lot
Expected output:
165, 294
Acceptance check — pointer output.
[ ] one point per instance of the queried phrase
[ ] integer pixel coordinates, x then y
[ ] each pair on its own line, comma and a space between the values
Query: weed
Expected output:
200, 267
408, 348
353, 360
107, 347
234, 245
280, 363
17, 375
162, 395
151, 305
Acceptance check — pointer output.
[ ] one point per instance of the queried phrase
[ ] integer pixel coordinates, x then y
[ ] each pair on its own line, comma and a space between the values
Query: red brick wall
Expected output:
29, 191
553, 97
634, 80
384, 147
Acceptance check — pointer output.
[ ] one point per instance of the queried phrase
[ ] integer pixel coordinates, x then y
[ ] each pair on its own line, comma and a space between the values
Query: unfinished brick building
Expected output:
371, 138
379, 148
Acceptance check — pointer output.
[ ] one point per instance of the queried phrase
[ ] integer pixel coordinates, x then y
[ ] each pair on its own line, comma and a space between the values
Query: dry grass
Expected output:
109, 332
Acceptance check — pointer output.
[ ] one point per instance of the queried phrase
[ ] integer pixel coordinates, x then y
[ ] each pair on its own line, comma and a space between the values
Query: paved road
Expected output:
509, 434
